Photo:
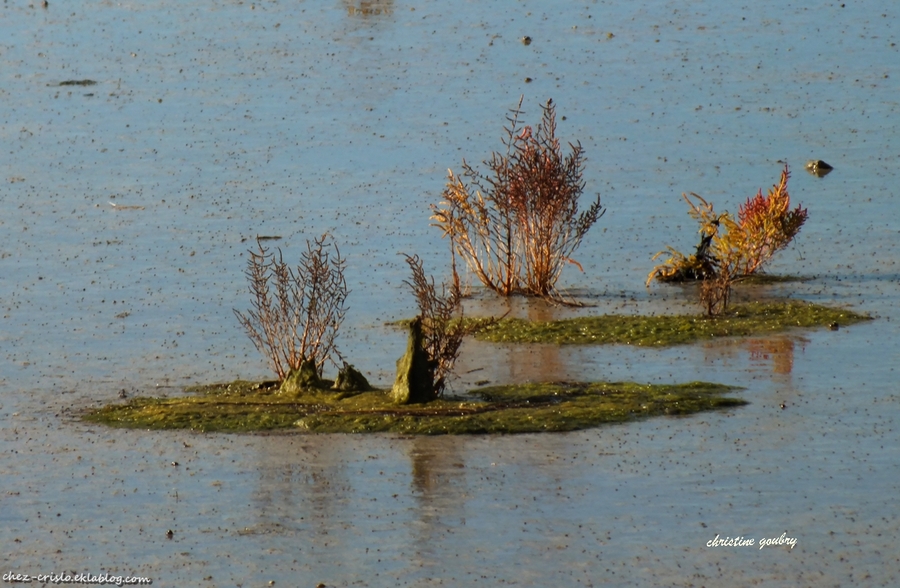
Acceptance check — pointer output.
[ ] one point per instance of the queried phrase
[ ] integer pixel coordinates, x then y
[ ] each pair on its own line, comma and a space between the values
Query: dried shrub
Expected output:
733, 249
300, 319
520, 225
443, 327
715, 294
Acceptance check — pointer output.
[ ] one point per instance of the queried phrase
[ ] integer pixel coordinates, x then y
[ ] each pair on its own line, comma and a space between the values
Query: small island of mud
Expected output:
740, 320
241, 407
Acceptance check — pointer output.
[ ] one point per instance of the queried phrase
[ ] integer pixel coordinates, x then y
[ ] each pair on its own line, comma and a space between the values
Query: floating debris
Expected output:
78, 83
526, 40
126, 207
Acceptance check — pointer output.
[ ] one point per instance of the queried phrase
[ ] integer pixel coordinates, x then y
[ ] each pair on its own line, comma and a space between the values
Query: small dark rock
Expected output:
818, 168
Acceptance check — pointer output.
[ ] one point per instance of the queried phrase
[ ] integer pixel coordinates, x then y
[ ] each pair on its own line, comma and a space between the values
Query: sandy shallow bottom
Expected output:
127, 208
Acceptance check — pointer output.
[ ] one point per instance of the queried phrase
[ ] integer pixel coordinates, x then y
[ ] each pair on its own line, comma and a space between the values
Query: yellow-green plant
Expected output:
701, 264
517, 225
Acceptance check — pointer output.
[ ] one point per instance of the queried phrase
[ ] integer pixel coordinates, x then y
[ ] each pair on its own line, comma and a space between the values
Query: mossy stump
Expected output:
349, 379
415, 376
306, 377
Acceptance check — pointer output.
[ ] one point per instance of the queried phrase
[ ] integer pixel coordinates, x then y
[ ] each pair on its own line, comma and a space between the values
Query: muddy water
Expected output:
128, 205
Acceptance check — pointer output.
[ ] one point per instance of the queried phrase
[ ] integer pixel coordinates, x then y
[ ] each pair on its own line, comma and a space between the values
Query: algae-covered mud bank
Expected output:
748, 319
528, 408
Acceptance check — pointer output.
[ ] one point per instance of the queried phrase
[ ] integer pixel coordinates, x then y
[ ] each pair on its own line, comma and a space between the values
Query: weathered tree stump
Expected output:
304, 378
415, 374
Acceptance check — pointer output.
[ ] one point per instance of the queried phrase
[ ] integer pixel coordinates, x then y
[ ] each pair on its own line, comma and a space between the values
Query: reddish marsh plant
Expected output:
767, 225
299, 321
517, 225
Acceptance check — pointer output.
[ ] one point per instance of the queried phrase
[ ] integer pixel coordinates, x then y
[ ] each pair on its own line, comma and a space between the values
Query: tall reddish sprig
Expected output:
768, 224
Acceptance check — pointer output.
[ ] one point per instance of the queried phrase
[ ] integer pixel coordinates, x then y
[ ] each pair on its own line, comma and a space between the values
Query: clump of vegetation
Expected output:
296, 313
442, 335
754, 318
529, 408
732, 249
517, 225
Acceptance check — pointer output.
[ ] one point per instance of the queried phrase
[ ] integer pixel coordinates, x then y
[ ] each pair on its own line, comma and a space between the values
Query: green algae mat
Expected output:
528, 408
741, 320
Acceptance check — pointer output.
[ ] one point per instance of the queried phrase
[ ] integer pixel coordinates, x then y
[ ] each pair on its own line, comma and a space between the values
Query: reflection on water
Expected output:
779, 351
760, 353
482, 363
366, 8
433, 465
438, 484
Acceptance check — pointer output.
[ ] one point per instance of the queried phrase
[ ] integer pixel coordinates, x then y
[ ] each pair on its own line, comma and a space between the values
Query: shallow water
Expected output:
128, 207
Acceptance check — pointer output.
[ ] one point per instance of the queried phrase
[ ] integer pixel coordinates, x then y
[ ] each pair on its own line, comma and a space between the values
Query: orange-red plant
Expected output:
768, 225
